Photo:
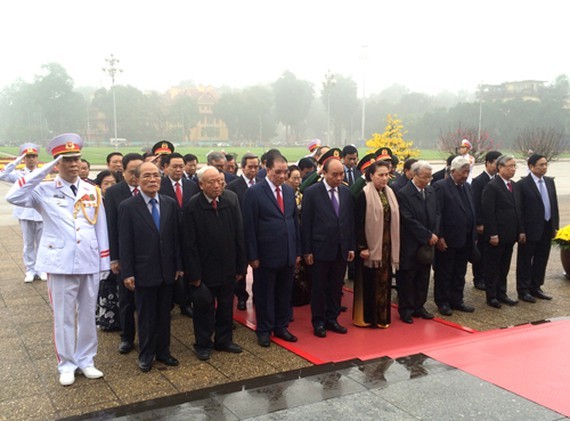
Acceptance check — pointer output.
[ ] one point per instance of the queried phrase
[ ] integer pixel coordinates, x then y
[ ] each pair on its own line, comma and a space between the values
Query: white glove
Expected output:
103, 275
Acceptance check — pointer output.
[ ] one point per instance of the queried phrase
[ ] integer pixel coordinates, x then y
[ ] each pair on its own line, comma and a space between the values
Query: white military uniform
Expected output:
74, 251
30, 220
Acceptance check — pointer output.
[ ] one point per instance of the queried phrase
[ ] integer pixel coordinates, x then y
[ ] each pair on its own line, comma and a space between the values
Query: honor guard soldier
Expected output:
360, 182
73, 251
30, 220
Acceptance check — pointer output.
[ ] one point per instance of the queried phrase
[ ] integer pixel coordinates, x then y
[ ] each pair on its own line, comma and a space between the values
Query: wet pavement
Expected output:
261, 382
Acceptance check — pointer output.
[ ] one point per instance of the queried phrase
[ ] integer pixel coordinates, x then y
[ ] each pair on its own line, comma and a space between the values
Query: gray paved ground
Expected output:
28, 377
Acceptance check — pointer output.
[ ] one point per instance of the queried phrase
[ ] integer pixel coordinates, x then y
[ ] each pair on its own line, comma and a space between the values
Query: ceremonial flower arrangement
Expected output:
562, 238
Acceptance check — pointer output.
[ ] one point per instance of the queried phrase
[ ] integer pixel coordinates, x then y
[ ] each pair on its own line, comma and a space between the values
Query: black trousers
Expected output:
240, 290
127, 308
273, 288
327, 277
450, 268
153, 312
213, 315
413, 287
478, 268
532, 259
497, 265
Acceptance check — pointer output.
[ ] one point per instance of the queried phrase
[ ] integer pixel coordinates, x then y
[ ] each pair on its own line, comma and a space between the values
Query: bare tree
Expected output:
548, 141
449, 142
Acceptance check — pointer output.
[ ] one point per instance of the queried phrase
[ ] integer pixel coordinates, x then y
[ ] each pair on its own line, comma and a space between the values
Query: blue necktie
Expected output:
545, 199
155, 215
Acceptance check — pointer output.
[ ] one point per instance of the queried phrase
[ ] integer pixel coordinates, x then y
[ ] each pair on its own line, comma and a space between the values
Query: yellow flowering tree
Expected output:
393, 138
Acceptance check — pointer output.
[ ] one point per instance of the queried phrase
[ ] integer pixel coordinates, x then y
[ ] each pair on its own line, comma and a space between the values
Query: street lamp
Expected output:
363, 57
328, 83
112, 69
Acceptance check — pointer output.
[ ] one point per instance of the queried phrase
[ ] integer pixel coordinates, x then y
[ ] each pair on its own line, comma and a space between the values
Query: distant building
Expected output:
209, 130
526, 90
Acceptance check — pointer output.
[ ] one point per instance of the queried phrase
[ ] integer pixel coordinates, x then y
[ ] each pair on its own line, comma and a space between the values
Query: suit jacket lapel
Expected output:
456, 193
327, 198
270, 194
142, 208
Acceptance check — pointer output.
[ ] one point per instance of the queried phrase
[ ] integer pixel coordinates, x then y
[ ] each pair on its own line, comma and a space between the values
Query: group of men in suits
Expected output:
172, 239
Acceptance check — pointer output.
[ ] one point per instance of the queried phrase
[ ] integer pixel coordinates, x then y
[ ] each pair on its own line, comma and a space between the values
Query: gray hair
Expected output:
421, 165
458, 163
503, 159
201, 171
247, 156
215, 156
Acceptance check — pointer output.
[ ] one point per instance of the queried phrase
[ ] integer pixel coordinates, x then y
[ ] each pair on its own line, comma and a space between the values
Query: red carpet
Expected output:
529, 360
398, 340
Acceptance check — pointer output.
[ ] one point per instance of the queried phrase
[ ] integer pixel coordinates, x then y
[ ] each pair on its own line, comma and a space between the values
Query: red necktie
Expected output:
280, 200
509, 186
178, 193
136, 191
215, 204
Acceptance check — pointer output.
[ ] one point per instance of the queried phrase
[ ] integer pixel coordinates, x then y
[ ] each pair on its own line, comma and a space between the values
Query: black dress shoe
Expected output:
527, 297
335, 327
125, 347
540, 294
286, 336
463, 307
480, 285
169, 360
320, 332
231, 348
508, 301
423, 313
242, 305
407, 319
203, 354
187, 311
263, 340
145, 367
493, 302
445, 311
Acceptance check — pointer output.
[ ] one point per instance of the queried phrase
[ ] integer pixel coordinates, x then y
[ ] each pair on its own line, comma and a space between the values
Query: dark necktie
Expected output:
215, 204
350, 177
154, 212
334, 202
136, 191
178, 193
73, 189
280, 200
510, 186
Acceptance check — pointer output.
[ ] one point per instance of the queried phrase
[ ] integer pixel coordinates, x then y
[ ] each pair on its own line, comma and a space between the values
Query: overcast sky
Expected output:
426, 45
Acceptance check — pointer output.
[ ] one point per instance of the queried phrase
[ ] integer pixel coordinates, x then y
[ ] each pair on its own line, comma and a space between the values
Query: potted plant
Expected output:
562, 240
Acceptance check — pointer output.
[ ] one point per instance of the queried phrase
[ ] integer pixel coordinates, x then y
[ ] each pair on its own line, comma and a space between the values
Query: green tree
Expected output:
293, 99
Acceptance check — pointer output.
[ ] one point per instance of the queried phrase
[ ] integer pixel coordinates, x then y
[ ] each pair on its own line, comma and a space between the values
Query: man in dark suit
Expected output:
218, 160
273, 248
502, 229
150, 262
328, 240
406, 175
249, 167
113, 198
540, 221
214, 258
419, 223
349, 160
444, 172
456, 237
190, 166
173, 184
477, 186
